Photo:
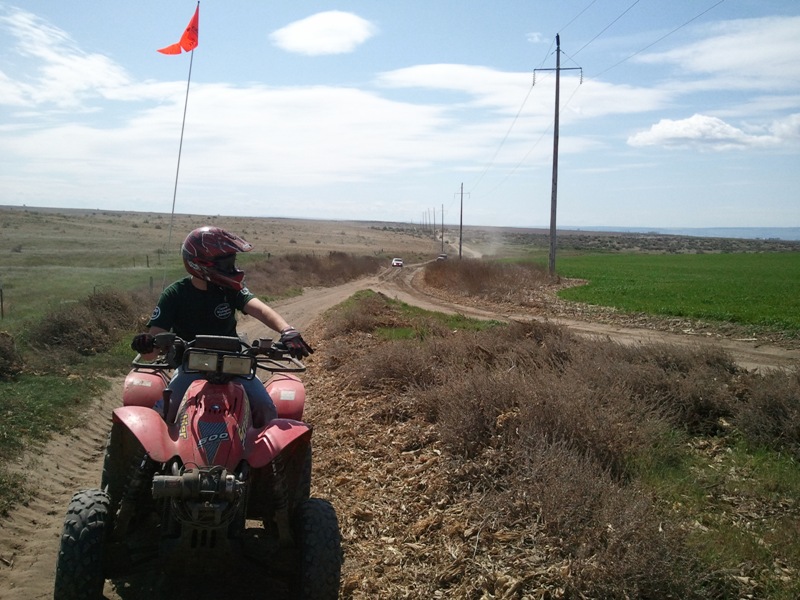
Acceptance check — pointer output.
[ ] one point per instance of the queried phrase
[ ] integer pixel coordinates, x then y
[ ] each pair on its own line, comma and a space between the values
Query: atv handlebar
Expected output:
264, 352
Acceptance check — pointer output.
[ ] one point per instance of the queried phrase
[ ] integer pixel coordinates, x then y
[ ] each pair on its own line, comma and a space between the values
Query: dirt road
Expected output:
72, 460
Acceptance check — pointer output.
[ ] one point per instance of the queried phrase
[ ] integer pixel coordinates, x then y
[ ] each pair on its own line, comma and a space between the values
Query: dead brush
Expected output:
400, 365
363, 313
86, 328
617, 543
273, 277
10, 358
549, 438
768, 413
503, 282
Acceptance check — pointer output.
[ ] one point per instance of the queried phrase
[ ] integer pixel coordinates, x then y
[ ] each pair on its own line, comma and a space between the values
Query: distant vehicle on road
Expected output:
397, 262
442, 257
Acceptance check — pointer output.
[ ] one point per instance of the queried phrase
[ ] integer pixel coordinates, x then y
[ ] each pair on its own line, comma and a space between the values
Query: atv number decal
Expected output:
212, 435
212, 438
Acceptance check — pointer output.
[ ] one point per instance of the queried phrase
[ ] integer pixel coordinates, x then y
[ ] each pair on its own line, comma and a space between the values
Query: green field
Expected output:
750, 289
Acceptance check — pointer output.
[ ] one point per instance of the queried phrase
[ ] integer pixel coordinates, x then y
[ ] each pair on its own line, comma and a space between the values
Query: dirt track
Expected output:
73, 460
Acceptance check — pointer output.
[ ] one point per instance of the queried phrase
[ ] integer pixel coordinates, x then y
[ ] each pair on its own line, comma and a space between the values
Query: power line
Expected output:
527, 96
575, 18
503, 141
516, 117
622, 14
663, 37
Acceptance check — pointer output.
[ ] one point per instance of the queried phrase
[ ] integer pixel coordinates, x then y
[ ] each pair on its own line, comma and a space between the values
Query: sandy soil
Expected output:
29, 536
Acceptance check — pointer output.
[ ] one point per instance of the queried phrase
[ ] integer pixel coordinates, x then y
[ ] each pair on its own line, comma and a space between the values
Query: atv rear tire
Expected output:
79, 570
316, 532
303, 492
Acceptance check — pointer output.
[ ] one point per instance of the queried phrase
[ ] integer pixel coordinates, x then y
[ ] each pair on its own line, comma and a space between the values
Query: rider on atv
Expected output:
205, 303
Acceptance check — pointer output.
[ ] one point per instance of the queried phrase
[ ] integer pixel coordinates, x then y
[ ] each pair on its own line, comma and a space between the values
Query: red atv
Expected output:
183, 491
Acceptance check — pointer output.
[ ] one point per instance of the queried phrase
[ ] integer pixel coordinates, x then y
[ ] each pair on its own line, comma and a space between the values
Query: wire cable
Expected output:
663, 37
602, 31
571, 97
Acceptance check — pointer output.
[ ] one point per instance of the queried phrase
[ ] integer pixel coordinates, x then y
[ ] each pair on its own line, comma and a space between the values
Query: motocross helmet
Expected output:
210, 254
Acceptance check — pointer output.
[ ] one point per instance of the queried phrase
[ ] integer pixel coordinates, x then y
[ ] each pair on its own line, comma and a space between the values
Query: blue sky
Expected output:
687, 113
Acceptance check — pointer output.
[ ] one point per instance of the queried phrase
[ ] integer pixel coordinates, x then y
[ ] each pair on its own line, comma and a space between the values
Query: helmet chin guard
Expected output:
209, 253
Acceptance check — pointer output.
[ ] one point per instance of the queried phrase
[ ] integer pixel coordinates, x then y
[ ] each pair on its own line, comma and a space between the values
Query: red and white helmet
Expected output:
210, 254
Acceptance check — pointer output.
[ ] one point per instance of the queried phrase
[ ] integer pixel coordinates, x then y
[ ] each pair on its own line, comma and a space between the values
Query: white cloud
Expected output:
537, 38
741, 54
505, 91
699, 131
63, 75
400, 135
330, 32
787, 129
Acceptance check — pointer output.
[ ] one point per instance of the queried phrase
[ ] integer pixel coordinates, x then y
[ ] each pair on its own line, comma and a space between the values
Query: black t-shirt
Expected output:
188, 312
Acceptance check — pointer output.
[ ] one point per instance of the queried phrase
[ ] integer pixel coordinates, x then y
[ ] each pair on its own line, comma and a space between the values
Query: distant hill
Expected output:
745, 233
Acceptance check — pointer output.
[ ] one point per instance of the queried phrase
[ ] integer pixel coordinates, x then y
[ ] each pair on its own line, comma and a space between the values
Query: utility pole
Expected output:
461, 222
442, 228
554, 187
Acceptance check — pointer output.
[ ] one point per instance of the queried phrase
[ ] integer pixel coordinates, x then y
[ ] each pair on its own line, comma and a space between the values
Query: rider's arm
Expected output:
269, 317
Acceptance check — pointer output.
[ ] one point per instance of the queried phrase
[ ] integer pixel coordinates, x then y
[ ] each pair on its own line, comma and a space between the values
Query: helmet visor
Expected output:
226, 264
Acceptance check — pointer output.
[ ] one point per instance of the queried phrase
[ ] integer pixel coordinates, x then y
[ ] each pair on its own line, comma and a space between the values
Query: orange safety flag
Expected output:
188, 39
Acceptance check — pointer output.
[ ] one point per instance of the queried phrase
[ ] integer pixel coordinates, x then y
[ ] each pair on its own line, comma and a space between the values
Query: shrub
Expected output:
490, 280
769, 414
10, 358
86, 328
619, 546
402, 364
273, 276
363, 313
562, 443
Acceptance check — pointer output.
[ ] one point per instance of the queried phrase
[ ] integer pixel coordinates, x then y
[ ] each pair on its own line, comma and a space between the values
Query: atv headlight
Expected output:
237, 365
201, 361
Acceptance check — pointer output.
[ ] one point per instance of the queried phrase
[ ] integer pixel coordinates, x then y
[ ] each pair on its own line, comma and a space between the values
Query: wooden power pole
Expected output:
442, 228
554, 187
461, 221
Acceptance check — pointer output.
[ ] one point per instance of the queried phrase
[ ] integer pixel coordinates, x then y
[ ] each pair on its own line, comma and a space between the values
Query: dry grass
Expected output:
516, 462
496, 282
10, 358
768, 412
276, 276
89, 327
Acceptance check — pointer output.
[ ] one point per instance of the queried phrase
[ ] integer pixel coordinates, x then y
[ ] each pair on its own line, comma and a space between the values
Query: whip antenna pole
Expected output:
180, 149
178, 168
187, 43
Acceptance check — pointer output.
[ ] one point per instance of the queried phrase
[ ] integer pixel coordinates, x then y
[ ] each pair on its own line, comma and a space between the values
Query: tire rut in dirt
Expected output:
29, 535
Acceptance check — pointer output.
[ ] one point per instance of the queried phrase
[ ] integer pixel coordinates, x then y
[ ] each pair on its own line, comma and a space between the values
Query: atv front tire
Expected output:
79, 570
316, 532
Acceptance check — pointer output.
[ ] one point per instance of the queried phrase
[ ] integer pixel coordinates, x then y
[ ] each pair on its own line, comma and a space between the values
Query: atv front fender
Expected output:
267, 443
149, 428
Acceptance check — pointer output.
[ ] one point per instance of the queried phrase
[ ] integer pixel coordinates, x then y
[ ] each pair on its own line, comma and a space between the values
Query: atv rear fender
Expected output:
144, 387
289, 395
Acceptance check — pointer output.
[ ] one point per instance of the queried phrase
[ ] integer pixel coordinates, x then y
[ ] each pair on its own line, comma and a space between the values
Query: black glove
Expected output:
295, 344
143, 343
